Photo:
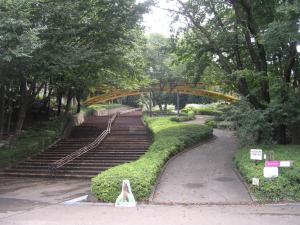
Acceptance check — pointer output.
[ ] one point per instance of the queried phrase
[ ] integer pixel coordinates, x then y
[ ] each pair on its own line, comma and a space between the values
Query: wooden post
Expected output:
150, 103
177, 104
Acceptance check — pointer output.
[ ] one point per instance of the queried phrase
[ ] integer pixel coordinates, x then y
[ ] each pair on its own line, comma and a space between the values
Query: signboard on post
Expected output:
278, 163
270, 172
256, 154
255, 181
272, 164
286, 164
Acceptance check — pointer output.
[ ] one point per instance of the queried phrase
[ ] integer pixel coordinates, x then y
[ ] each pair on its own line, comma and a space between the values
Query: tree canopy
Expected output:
64, 48
250, 48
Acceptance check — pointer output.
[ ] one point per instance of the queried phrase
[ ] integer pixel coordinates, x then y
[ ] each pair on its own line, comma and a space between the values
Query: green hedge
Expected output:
187, 117
213, 109
211, 122
284, 188
169, 138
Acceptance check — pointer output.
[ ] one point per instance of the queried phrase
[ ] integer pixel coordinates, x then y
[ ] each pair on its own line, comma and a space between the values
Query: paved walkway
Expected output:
18, 195
204, 174
93, 214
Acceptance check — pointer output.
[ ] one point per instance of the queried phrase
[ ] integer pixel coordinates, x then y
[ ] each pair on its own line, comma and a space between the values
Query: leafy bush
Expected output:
189, 116
252, 125
169, 138
213, 109
284, 187
226, 125
211, 122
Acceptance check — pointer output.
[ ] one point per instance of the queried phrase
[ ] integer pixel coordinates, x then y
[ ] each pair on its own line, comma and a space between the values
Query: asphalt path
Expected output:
204, 174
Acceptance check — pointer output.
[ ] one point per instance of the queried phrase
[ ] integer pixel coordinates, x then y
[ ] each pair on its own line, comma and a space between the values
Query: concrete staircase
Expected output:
129, 139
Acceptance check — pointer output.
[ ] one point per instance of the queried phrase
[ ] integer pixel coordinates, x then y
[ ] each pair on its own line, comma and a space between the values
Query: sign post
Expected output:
256, 155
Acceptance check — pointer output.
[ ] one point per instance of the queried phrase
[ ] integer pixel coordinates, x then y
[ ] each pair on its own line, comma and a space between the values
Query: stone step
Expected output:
129, 139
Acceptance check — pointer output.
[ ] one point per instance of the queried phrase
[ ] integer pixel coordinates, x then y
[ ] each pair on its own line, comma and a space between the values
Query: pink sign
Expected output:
272, 164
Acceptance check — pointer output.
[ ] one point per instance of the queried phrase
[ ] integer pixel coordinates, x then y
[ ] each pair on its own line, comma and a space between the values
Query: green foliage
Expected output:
169, 139
32, 141
284, 107
211, 122
182, 118
186, 117
252, 125
247, 47
285, 187
199, 109
67, 48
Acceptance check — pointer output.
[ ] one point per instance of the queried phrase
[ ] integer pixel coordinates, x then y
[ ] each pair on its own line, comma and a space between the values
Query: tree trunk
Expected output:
69, 101
160, 105
21, 118
78, 103
2, 110
49, 102
281, 134
295, 133
59, 103
23, 108
244, 90
166, 106
9, 118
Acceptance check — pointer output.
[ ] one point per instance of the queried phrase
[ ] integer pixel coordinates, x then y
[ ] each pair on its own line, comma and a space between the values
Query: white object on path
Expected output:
126, 198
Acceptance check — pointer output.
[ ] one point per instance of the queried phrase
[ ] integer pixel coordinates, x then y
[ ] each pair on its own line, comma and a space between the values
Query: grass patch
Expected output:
170, 138
286, 187
186, 117
213, 109
32, 141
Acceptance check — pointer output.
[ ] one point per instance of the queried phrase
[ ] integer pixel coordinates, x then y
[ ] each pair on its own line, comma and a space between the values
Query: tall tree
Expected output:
252, 47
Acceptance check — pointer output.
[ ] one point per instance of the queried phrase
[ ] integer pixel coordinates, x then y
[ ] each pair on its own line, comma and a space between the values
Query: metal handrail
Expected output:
63, 161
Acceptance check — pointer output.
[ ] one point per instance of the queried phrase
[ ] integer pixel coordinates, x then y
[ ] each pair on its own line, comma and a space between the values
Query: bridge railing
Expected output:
63, 161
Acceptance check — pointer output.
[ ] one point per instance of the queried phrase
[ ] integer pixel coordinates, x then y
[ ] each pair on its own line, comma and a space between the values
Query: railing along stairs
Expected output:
63, 161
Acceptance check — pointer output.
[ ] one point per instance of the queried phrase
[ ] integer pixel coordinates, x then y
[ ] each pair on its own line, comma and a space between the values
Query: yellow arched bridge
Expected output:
199, 89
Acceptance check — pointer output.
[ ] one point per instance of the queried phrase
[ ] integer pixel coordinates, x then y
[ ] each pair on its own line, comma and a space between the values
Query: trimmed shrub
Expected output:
190, 116
211, 122
213, 109
169, 138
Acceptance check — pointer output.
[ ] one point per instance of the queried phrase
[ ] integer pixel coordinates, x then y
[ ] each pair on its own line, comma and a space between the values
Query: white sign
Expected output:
270, 172
255, 181
256, 154
286, 163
